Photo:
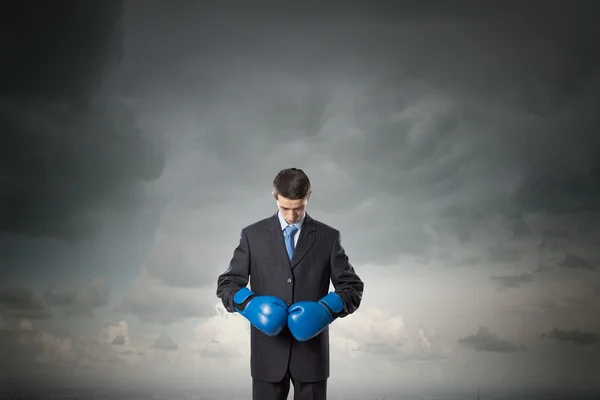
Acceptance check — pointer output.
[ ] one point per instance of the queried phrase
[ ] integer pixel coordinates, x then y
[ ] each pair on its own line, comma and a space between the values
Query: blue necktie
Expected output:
290, 231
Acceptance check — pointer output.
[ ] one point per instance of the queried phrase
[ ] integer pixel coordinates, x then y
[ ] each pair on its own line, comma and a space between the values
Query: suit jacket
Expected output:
261, 259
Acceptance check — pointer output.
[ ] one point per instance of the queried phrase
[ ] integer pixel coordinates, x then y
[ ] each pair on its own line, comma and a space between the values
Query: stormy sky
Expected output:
454, 144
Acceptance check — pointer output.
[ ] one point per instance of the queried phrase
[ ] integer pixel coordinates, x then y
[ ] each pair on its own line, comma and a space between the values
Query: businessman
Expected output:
289, 259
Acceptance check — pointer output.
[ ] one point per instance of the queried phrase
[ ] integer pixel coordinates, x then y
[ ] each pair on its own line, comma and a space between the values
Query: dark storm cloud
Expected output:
574, 261
20, 302
554, 238
575, 336
520, 103
484, 340
516, 225
68, 158
501, 254
79, 301
558, 188
61, 297
461, 218
513, 281
439, 114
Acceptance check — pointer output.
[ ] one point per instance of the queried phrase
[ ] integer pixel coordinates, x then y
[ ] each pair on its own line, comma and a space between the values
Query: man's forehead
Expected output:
288, 203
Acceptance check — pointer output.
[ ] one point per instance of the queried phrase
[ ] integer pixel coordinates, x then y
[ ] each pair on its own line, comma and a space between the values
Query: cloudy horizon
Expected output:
454, 147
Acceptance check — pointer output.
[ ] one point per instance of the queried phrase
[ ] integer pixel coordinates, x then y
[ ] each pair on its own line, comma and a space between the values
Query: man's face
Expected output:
291, 210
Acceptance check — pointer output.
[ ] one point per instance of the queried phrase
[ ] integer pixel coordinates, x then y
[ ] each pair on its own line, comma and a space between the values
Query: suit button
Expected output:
289, 280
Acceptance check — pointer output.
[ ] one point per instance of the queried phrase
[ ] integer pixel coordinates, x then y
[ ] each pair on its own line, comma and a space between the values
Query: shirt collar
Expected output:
285, 224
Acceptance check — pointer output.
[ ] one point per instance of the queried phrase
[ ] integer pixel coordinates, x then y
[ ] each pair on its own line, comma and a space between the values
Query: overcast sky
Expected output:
454, 146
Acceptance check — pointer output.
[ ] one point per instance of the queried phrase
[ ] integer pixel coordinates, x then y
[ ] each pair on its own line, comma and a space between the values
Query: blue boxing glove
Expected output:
308, 318
268, 314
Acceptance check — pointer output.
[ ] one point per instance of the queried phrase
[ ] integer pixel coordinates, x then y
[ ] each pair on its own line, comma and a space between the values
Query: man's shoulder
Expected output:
260, 224
324, 227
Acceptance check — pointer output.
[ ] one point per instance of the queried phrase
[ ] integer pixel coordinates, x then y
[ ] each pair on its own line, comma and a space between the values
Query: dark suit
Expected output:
318, 259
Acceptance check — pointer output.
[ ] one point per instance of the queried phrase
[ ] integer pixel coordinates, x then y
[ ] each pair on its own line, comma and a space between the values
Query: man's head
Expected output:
291, 189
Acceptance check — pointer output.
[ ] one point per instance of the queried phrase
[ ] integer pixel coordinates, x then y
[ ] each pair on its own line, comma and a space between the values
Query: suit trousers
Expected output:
280, 390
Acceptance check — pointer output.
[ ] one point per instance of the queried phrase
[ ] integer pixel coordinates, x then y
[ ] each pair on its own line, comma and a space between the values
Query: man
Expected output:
289, 259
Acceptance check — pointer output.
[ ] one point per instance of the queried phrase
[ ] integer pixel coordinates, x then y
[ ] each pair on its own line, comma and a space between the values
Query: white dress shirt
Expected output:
285, 225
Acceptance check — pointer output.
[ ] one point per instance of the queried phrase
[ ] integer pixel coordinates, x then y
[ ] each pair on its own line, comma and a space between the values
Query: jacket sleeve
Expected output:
346, 281
237, 274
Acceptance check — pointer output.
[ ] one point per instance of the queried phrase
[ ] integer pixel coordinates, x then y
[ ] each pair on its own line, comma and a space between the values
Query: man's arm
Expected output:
307, 319
346, 282
237, 274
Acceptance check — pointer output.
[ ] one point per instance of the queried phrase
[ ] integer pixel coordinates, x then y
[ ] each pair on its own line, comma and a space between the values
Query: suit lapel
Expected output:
276, 240
305, 241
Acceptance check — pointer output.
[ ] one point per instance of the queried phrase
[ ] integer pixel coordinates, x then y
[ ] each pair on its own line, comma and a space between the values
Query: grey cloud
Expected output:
40, 355
192, 245
168, 263
440, 118
395, 352
16, 295
461, 219
384, 237
572, 303
380, 349
411, 142
396, 344
469, 261
70, 157
589, 300
575, 336
34, 310
513, 281
501, 254
554, 239
78, 301
574, 261
463, 57
129, 352
562, 188
283, 115
119, 340
160, 308
61, 296
164, 342
39, 71
544, 268
21, 302
13, 361
485, 340
516, 225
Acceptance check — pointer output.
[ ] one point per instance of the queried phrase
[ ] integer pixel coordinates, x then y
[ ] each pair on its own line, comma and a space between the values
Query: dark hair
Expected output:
291, 183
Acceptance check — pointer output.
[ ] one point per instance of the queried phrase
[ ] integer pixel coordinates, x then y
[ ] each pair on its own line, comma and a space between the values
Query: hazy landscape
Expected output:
75, 393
